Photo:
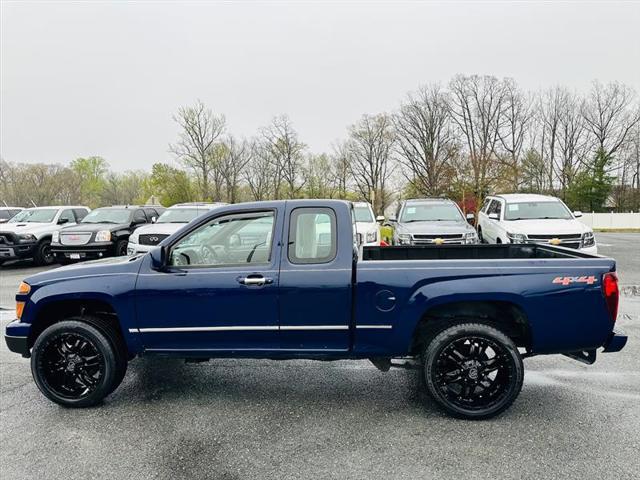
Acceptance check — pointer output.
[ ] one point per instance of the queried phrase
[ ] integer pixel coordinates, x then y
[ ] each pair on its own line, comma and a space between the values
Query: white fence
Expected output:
611, 220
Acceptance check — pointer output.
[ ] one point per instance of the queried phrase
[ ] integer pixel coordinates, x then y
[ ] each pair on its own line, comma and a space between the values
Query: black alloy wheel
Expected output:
44, 256
74, 364
473, 370
71, 365
121, 248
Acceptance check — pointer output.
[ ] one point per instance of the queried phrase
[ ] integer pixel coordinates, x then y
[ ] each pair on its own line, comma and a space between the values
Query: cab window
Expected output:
234, 239
312, 235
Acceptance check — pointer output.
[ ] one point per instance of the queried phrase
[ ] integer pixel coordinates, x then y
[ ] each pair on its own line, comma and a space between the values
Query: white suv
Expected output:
149, 236
529, 218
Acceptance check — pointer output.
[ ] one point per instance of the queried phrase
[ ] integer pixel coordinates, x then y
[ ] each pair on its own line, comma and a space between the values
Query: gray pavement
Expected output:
237, 419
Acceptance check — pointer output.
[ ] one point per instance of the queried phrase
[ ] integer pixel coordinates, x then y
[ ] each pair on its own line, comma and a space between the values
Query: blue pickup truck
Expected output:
287, 279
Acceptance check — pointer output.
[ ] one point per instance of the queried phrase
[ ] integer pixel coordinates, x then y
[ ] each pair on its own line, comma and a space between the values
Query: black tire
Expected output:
472, 370
498, 241
121, 248
43, 255
480, 239
74, 364
116, 341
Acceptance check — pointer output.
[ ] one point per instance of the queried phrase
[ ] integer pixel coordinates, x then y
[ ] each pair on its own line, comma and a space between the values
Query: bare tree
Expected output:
287, 154
195, 148
513, 132
572, 141
610, 113
477, 108
425, 139
236, 155
371, 142
341, 169
260, 173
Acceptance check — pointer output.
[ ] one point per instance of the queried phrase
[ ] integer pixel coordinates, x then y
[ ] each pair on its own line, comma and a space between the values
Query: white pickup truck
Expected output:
530, 218
28, 234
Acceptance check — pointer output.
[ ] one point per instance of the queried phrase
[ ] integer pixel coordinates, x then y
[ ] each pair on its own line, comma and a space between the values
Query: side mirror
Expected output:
380, 218
62, 221
577, 214
158, 258
494, 216
154, 219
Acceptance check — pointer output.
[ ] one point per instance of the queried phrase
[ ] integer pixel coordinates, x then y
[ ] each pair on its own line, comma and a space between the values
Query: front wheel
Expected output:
74, 364
44, 256
472, 370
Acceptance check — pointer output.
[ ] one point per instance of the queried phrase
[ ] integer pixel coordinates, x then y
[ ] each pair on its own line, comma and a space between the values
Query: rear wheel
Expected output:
472, 370
75, 364
480, 239
43, 255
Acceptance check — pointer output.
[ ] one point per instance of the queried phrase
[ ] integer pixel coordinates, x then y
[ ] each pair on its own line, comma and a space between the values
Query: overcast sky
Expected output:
82, 79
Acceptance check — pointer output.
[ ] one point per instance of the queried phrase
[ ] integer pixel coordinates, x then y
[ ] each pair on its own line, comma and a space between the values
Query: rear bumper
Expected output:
616, 341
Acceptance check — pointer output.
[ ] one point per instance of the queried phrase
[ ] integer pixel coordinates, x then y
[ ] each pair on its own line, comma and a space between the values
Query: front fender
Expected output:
115, 289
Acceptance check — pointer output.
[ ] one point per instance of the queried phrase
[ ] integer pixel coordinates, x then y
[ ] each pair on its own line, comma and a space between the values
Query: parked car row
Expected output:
507, 218
67, 234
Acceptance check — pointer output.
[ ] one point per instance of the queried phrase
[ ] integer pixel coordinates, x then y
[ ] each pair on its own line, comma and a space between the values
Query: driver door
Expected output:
219, 292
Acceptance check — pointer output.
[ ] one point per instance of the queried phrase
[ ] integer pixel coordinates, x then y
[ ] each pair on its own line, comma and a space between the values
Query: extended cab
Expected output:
286, 279
28, 234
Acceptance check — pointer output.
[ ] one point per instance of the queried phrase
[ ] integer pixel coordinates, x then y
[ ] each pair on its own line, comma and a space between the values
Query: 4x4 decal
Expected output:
589, 280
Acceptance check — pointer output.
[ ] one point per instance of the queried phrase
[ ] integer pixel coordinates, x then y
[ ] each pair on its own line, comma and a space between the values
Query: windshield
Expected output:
431, 212
108, 215
179, 215
6, 214
536, 210
44, 215
363, 214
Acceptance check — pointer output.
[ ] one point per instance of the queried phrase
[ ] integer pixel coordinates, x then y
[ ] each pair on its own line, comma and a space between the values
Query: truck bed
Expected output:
477, 252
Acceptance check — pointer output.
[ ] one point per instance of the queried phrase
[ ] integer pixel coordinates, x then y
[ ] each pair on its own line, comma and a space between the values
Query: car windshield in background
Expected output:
363, 214
431, 212
6, 214
108, 215
536, 211
179, 215
44, 215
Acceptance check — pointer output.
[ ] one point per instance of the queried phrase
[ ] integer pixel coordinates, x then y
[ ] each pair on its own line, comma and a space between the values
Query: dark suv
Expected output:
103, 233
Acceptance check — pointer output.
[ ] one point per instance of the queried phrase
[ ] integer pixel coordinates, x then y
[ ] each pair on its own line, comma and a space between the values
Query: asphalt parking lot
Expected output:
236, 419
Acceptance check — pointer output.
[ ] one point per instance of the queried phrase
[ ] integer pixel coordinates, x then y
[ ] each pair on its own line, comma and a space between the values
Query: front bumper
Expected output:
135, 248
90, 251
17, 251
17, 337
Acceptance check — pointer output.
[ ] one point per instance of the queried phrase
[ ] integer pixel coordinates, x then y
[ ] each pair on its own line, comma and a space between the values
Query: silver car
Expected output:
432, 221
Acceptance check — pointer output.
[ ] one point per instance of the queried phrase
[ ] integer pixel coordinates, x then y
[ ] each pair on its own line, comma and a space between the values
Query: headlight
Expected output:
404, 239
372, 237
517, 237
103, 236
471, 237
588, 239
26, 238
55, 238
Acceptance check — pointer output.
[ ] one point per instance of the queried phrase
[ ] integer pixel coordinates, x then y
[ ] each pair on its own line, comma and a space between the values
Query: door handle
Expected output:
255, 280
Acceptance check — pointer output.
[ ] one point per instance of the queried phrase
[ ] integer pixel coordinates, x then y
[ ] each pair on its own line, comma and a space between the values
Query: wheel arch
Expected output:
505, 315
57, 310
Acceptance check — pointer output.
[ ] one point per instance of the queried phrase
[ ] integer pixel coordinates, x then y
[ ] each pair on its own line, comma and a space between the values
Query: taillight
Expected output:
611, 294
